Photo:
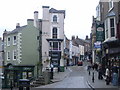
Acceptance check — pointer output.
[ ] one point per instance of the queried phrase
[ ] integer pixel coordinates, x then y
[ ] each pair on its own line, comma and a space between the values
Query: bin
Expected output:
62, 69
24, 83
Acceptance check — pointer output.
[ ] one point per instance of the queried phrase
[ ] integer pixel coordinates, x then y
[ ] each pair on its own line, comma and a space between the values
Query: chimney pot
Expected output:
17, 25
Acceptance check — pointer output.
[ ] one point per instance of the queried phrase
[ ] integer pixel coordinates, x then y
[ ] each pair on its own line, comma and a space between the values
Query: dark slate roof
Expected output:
16, 30
111, 14
52, 10
33, 20
45, 6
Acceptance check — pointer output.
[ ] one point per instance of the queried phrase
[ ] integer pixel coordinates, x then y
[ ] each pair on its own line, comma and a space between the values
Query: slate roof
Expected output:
111, 14
52, 10
16, 30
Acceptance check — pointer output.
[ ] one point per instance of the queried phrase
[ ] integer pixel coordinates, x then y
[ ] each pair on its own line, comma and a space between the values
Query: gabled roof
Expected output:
52, 10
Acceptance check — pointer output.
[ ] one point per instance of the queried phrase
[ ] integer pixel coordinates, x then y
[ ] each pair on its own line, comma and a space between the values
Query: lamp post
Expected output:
51, 65
40, 47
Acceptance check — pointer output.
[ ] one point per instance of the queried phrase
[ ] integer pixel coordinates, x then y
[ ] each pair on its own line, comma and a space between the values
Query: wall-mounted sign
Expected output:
100, 32
97, 44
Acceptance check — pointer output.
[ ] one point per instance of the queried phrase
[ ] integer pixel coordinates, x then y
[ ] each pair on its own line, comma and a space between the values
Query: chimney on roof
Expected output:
86, 37
76, 37
36, 19
73, 37
17, 25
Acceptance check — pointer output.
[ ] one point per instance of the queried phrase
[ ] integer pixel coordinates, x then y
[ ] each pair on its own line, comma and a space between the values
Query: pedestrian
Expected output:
93, 66
107, 74
52, 71
93, 77
96, 66
114, 75
100, 73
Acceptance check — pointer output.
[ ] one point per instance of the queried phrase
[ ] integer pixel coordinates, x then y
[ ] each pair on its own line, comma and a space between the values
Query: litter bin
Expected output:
24, 84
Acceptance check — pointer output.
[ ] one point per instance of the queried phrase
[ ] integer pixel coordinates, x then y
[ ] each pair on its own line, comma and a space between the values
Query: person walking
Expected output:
107, 73
115, 75
100, 73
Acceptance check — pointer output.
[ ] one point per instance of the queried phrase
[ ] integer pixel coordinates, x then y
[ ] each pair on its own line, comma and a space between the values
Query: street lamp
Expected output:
40, 47
51, 65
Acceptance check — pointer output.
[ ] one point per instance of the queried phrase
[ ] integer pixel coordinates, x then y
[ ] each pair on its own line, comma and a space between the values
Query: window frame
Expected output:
14, 54
111, 4
55, 18
8, 41
8, 55
54, 33
112, 27
53, 47
14, 41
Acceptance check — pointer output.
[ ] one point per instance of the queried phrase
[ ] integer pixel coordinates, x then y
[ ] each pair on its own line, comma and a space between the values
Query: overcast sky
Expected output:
78, 19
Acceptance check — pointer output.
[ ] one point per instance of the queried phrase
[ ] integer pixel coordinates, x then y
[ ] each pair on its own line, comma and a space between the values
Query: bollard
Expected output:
93, 77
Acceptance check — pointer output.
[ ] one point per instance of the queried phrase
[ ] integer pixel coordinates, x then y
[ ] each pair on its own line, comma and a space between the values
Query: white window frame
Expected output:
112, 27
111, 4
8, 42
8, 55
14, 41
52, 18
55, 33
14, 54
106, 29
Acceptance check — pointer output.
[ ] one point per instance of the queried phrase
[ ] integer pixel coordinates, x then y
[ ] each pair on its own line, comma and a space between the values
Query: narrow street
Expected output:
76, 79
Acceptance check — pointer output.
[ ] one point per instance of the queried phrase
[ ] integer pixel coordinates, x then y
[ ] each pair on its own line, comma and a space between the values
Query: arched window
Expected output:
54, 18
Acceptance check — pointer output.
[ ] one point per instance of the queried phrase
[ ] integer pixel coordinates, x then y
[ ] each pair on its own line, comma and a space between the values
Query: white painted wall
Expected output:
47, 25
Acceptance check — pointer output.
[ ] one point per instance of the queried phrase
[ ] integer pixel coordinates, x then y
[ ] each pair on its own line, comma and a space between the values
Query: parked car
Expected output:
80, 63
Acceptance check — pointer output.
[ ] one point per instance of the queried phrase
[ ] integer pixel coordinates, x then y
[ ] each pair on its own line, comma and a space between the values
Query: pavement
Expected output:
59, 76
96, 84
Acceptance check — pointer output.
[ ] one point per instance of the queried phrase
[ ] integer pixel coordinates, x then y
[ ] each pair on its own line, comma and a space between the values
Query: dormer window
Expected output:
55, 18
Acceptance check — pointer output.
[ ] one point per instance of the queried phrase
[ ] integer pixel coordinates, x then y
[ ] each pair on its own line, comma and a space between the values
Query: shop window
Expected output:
24, 75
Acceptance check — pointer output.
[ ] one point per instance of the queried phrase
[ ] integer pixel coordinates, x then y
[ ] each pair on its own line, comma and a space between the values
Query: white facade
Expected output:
81, 49
47, 33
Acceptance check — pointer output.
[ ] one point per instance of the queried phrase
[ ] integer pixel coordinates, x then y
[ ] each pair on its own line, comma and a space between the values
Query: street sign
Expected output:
97, 44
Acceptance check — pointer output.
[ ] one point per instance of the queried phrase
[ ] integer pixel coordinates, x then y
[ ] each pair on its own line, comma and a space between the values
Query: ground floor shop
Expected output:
111, 58
13, 73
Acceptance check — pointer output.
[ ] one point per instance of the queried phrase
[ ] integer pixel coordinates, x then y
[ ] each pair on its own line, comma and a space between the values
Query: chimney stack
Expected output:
36, 19
17, 25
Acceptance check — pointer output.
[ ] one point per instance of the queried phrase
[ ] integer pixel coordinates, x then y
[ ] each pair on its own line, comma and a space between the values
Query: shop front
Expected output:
13, 73
111, 56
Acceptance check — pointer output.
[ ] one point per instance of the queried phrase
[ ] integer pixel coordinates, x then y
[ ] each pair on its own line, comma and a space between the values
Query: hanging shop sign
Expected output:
100, 32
